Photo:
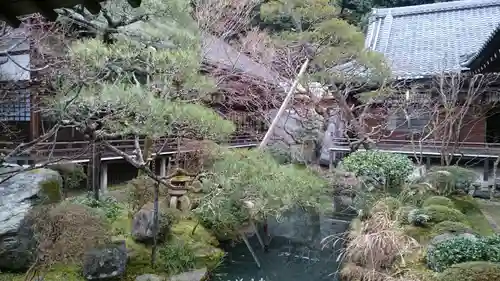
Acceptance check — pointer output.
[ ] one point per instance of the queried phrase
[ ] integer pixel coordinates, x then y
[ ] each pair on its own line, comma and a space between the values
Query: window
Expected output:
412, 121
15, 106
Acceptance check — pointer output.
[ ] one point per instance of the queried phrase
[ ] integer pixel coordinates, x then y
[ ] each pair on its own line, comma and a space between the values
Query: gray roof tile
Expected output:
430, 39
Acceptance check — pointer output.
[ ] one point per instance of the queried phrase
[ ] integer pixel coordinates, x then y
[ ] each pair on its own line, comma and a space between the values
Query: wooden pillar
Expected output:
486, 170
428, 162
330, 160
104, 177
163, 166
94, 169
35, 121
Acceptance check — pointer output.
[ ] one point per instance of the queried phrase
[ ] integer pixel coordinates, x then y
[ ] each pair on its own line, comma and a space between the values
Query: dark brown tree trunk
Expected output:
155, 223
94, 168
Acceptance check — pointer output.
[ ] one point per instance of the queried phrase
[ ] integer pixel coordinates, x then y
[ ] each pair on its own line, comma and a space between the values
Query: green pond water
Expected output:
291, 256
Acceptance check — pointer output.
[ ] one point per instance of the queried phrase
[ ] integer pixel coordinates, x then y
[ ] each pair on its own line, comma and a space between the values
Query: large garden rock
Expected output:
149, 277
106, 263
143, 223
447, 236
18, 195
195, 275
305, 227
292, 133
334, 130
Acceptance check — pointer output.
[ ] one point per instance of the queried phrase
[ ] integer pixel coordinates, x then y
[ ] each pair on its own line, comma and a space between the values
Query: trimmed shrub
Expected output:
493, 247
421, 234
463, 177
388, 205
438, 200
471, 271
455, 251
381, 168
438, 213
418, 217
107, 205
450, 227
141, 192
450, 180
402, 214
463, 249
72, 174
176, 257
416, 193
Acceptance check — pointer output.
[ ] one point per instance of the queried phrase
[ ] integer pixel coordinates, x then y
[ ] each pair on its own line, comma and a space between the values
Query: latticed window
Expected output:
412, 121
15, 106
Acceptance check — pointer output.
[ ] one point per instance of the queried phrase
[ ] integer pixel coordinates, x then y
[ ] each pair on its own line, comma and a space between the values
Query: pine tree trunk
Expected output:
155, 223
148, 145
94, 168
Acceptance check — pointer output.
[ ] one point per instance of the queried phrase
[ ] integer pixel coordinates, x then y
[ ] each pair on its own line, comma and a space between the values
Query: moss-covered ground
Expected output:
474, 219
188, 246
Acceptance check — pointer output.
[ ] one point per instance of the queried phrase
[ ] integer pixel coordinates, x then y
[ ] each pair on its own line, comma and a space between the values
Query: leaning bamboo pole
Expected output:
284, 105
262, 145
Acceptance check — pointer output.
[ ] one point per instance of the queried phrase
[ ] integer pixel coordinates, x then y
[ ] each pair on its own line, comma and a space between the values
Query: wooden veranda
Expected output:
425, 151
80, 152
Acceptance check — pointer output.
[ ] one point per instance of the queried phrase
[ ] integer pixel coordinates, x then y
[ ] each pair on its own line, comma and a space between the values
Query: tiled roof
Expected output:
218, 52
486, 58
11, 9
425, 40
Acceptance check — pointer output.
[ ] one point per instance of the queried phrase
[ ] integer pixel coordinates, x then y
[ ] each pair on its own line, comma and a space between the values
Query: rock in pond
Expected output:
149, 277
18, 195
195, 275
106, 263
143, 222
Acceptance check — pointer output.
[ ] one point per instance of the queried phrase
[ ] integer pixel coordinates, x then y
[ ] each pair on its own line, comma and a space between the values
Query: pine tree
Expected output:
139, 76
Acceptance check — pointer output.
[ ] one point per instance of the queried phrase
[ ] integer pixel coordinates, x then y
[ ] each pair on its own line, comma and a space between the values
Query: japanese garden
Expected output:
232, 112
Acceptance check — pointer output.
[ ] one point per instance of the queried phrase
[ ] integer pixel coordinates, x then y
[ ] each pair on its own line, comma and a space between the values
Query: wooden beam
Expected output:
46, 9
10, 16
93, 6
134, 3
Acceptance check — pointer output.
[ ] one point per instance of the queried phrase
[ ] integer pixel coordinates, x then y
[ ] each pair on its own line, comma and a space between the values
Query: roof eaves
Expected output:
433, 8
478, 58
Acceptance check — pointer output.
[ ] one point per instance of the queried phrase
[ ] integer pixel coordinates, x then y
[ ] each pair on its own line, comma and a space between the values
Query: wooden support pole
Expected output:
486, 171
104, 177
331, 158
273, 125
163, 167
284, 105
256, 232
247, 243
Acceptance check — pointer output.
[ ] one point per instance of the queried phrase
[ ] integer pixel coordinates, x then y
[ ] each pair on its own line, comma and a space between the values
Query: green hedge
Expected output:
383, 168
438, 200
438, 213
450, 227
450, 180
471, 271
463, 249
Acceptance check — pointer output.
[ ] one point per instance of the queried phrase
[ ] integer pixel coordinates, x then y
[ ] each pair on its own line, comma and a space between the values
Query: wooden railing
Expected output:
79, 150
434, 146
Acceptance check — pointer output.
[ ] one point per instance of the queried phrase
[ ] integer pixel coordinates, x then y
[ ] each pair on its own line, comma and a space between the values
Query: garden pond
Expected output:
296, 251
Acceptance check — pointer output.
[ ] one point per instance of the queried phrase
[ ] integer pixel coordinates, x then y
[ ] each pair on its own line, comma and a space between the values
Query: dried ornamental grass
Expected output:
66, 231
379, 244
353, 272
